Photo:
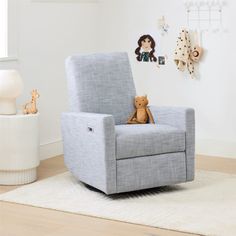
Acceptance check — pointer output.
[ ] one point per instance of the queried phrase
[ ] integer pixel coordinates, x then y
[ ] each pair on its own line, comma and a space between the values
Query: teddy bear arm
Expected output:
130, 120
150, 117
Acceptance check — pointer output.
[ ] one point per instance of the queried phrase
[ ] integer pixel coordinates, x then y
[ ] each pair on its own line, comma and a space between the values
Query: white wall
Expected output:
47, 34
212, 95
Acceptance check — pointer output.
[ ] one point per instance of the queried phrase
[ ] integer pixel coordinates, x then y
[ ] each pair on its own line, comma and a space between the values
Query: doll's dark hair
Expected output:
151, 53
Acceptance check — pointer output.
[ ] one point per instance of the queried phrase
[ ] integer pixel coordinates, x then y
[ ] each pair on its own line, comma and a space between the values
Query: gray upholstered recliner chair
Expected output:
101, 150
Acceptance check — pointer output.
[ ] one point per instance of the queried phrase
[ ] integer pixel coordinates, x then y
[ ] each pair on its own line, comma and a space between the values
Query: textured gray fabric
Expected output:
97, 152
183, 119
150, 171
148, 139
101, 83
89, 149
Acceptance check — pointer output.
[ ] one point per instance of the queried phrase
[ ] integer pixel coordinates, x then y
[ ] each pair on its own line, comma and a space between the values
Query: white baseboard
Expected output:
65, 1
219, 148
52, 149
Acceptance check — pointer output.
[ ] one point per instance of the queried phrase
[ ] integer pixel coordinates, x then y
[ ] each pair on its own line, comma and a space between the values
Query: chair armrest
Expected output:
89, 148
184, 119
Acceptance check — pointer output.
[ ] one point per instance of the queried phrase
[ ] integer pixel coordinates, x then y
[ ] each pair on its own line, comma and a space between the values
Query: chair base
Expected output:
138, 173
150, 171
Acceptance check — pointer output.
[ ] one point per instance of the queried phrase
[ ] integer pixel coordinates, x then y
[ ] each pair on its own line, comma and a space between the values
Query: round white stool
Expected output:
19, 148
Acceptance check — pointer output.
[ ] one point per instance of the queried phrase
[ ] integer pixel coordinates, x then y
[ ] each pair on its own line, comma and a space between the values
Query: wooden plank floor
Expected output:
21, 220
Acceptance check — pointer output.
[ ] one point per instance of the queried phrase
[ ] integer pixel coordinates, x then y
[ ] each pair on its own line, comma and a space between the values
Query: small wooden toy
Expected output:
31, 107
196, 53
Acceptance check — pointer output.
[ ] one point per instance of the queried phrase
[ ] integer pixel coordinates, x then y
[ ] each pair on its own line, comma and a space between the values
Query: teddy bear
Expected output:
141, 114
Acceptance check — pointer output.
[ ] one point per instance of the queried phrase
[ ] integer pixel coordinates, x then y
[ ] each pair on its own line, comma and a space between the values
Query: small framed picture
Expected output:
161, 60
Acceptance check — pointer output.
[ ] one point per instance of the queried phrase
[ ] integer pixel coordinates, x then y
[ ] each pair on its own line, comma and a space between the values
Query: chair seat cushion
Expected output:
147, 139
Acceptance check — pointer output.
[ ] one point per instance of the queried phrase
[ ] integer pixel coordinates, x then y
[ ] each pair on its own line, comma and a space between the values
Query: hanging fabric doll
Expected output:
146, 48
182, 52
184, 55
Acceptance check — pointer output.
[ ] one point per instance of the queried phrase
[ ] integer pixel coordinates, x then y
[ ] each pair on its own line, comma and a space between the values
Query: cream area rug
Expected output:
206, 206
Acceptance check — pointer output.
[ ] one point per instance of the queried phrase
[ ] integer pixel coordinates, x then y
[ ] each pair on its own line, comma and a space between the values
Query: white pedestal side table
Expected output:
19, 148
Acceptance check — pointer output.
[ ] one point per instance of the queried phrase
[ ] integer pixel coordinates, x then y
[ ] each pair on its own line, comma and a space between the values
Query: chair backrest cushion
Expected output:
101, 83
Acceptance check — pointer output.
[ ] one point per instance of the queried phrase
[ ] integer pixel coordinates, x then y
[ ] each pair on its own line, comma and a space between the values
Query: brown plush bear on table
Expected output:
142, 114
